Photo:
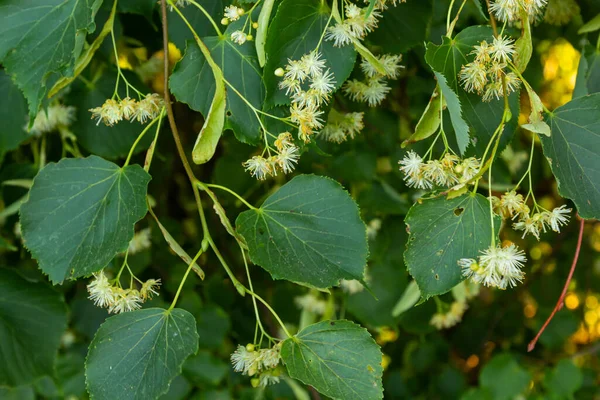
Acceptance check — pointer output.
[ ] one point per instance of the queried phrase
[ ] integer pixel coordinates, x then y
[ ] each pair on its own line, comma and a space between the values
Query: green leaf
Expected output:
204, 368
564, 380
105, 141
523, 45
573, 152
308, 232
590, 26
40, 41
179, 32
403, 27
504, 377
338, 358
136, 355
13, 114
536, 123
440, 233
193, 83
296, 30
429, 122
261, 31
33, 318
410, 297
81, 213
461, 129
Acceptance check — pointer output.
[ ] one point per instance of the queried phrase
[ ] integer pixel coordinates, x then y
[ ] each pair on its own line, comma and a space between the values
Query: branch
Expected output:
559, 303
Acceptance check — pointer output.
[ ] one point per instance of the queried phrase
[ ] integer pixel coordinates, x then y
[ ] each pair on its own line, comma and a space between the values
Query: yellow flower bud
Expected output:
279, 72
225, 21
250, 347
255, 25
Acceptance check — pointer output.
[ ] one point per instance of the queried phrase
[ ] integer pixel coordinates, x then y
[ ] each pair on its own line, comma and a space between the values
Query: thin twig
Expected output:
559, 303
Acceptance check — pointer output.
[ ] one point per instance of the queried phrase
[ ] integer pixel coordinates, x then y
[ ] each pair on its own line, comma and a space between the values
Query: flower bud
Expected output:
255, 25
225, 21
279, 72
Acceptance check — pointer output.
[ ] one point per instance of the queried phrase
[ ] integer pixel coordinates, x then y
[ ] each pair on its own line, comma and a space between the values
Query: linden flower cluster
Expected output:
486, 73
311, 303
355, 27
341, 127
141, 241
450, 171
512, 205
118, 300
285, 160
510, 10
497, 266
452, 317
113, 111
374, 89
54, 117
233, 13
251, 361
309, 85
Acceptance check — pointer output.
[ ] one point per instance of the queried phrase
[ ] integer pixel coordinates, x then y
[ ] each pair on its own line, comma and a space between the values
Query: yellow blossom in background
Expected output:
560, 61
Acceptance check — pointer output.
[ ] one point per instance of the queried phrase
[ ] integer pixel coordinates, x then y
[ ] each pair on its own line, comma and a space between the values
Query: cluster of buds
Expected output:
252, 361
356, 25
309, 85
511, 10
106, 294
512, 205
497, 266
486, 75
374, 88
113, 111
341, 127
285, 160
449, 171
452, 316
51, 119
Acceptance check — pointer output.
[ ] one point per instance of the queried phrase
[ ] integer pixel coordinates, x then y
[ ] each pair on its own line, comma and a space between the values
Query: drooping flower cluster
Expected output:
112, 111
374, 88
510, 10
487, 73
497, 266
233, 13
512, 205
251, 361
356, 25
309, 84
285, 160
445, 320
141, 241
351, 286
449, 171
341, 127
116, 299
54, 117
311, 303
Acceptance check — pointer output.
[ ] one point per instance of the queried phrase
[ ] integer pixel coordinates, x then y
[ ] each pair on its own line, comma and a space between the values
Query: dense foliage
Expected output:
296, 199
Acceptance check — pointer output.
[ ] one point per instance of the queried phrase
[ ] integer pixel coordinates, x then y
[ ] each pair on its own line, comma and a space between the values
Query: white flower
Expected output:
451, 318
268, 378
269, 358
284, 140
411, 164
375, 91
513, 82
390, 63
434, 171
469, 167
502, 266
512, 203
558, 217
323, 83
101, 291
351, 286
140, 241
126, 300
149, 107
505, 10
287, 157
493, 90
110, 113
244, 361
528, 225
52, 118
149, 288
259, 167
313, 64
503, 49
473, 77
128, 107
311, 303
341, 34
233, 13
295, 70
239, 37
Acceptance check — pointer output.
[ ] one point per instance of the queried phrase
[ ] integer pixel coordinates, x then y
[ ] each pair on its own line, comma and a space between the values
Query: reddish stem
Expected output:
559, 303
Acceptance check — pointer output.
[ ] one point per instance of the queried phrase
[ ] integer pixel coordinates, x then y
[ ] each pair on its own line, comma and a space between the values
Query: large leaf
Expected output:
403, 27
338, 358
105, 141
137, 354
308, 232
13, 114
179, 32
33, 318
81, 213
193, 83
440, 233
296, 30
40, 41
573, 151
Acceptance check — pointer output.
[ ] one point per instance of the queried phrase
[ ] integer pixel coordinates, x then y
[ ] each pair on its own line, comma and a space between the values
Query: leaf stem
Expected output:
187, 272
206, 14
271, 310
226, 189
141, 135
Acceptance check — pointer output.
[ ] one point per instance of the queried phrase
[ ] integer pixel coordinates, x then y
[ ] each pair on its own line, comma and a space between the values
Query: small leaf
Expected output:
536, 123
429, 122
590, 26
564, 380
33, 318
338, 358
523, 45
504, 377
40, 40
440, 233
296, 30
81, 213
409, 298
136, 355
13, 114
261, 31
461, 129
308, 232
573, 152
